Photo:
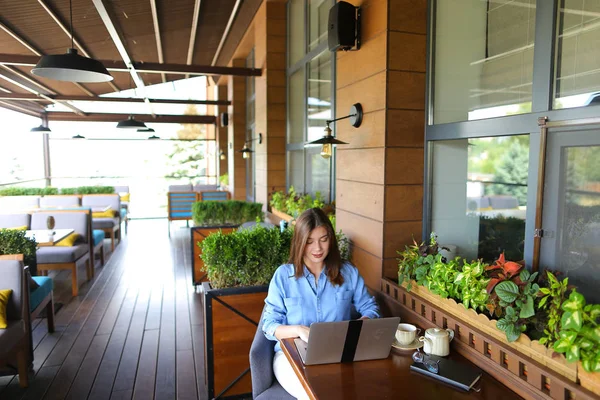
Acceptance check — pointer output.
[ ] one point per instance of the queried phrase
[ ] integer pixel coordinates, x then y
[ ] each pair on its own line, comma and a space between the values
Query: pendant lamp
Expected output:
146, 130
71, 67
78, 136
153, 137
327, 141
131, 123
40, 128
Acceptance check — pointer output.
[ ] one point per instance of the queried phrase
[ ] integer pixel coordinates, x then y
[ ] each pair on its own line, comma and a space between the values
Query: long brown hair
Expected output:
306, 222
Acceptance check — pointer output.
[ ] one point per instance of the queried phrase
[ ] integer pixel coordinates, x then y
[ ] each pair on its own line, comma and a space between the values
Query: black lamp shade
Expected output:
71, 67
40, 128
147, 130
131, 123
327, 140
78, 136
153, 137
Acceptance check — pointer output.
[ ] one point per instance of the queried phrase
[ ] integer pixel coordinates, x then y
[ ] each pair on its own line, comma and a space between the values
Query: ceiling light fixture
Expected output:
71, 67
78, 136
153, 137
222, 155
40, 128
131, 123
146, 130
246, 151
356, 115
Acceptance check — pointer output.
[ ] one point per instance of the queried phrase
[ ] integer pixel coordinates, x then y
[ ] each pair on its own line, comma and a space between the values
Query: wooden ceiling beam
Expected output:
37, 52
234, 13
107, 117
159, 50
18, 108
34, 91
111, 27
193, 31
76, 42
31, 97
146, 67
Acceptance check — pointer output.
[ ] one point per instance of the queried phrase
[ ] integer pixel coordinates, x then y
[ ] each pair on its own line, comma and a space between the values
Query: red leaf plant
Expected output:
501, 271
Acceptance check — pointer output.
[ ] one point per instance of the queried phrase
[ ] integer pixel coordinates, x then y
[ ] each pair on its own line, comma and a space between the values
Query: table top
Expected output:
389, 378
43, 238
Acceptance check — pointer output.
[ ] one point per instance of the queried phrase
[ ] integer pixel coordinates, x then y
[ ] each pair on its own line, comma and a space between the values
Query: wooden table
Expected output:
43, 239
389, 378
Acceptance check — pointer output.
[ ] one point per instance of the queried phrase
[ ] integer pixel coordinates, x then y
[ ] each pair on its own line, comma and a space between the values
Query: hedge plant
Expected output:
88, 190
47, 191
247, 257
13, 241
230, 212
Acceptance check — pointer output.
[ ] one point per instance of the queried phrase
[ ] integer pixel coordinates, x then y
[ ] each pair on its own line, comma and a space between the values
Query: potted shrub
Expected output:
214, 216
239, 266
13, 241
288, 206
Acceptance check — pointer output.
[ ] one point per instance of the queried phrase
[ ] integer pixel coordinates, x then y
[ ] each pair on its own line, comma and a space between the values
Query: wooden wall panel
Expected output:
398, 234
221, 94
363, 198
408, 16
402, 44
404, 203
359, 65
406, 90
361, 165
371, 133
369, 265
404, 166
374, 17
369, 92
366, 233
405, 128
237, 132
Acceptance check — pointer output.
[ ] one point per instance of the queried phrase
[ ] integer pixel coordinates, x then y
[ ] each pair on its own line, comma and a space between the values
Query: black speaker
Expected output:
224, 119
341, 31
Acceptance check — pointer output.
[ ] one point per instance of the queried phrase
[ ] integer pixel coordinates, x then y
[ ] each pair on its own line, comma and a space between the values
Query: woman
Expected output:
316, 286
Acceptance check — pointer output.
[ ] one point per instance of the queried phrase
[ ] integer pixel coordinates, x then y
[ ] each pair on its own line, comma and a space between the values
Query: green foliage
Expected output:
230, 212
21, 191
88, 190
512, 170
294, 203
413, 263
519, 298
437, 275
470, 283
224, 179
553, 297
344, 245
246, 257
579, 336
15, 242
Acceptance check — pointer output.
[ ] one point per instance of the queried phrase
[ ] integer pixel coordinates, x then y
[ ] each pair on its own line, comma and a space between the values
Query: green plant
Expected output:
224, 179
13, 241
579, 336
294, 203
500, 271
245, 257
278, 201
471, 285
518, 304
414, 257
19, 191
551, 303
343, 245
88, 190
230, 212
438, 276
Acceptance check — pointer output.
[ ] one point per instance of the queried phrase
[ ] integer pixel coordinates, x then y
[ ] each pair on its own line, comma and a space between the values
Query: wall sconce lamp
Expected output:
222, 155
246, 151
356, 116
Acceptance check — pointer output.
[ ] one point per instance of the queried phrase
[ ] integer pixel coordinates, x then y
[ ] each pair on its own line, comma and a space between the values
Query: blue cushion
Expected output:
123, 213
181, 214
36, 297
98, 236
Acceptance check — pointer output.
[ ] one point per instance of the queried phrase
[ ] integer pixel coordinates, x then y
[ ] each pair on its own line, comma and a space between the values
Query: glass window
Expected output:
319, 95
318, 173
479, 195
578, 65
578, 239
296, 170
21, 151
483, 59
296, 41
318, 11
296, 101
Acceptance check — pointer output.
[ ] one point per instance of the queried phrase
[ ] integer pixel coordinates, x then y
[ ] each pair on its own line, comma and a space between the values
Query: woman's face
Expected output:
317, 246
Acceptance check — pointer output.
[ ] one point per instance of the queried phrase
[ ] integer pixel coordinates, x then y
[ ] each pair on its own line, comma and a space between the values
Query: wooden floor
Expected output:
134, 332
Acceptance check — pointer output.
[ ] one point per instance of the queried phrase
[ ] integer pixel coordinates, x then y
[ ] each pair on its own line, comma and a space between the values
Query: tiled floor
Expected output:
134, 332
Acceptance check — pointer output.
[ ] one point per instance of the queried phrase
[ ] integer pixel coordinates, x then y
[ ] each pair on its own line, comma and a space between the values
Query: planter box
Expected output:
231, 317
282, 215
527, 367
198, 234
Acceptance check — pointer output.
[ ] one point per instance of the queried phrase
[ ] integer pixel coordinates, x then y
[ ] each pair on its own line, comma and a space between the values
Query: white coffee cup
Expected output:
406, 333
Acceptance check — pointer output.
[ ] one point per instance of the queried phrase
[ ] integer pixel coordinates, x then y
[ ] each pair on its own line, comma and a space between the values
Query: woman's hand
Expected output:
303, 332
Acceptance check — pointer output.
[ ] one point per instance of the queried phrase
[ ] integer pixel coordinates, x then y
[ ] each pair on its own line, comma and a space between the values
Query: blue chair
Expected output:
98, 236
180, 206
214, 195
264, 384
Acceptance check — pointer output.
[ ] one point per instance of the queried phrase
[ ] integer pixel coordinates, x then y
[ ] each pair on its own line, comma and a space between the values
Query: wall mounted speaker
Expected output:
224, 119
343, 30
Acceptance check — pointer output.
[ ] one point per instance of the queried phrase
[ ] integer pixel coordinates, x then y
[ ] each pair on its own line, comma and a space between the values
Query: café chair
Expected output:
264, 384
14, 340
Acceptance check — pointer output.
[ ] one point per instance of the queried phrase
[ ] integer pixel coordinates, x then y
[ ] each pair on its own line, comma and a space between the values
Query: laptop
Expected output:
347, 341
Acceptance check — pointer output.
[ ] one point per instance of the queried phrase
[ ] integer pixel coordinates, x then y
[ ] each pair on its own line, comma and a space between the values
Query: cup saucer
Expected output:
416, 344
